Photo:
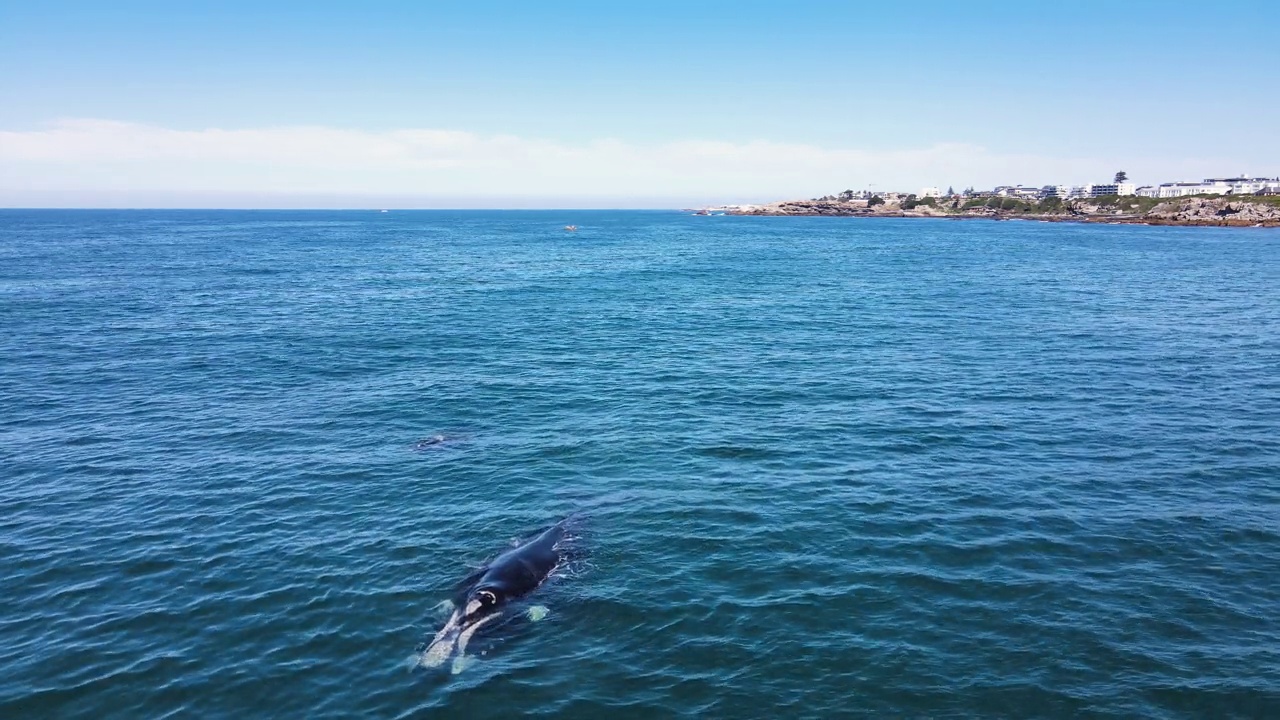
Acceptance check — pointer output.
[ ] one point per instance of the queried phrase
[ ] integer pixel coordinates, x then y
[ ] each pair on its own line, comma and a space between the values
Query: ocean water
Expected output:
825, 467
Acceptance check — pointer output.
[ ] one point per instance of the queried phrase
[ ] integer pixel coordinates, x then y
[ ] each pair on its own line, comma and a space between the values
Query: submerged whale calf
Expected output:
484, 596
432, 441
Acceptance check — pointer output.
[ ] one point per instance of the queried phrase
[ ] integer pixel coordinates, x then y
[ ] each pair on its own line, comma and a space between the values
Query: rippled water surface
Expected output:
826, 467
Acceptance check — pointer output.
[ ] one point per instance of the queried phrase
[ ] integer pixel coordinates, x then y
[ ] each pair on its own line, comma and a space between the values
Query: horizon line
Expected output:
351, 209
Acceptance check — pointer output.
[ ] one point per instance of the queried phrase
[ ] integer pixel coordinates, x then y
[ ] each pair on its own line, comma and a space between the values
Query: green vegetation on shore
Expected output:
1233, 210
911, 203
1008, 204
1127, 203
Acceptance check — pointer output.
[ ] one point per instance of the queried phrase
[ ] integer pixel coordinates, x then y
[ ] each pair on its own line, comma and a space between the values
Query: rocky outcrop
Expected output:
1233, 212
820, 207
1090, 209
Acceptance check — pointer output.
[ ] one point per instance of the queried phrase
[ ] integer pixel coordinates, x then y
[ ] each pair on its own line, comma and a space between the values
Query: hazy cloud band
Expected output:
117, 161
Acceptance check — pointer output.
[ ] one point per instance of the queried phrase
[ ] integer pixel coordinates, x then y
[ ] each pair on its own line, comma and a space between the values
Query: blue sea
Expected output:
823, 467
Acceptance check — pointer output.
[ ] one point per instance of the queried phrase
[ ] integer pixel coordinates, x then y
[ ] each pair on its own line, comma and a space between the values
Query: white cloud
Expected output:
97, 158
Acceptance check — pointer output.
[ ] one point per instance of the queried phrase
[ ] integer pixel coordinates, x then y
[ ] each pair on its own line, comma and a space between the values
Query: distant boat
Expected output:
571, 228
382, 211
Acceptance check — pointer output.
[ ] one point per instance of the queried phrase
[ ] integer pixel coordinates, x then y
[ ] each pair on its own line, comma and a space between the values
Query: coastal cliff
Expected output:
1229, 211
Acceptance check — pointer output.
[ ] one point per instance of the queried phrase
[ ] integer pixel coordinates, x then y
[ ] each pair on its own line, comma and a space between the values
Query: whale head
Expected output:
483, 605
482, 601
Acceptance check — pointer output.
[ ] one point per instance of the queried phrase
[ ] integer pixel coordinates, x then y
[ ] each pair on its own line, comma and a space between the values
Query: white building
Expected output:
1218, 186
1244, 185
1147, 191
929, 192
1063, 191
1183, 189
1100, 189
1019, 192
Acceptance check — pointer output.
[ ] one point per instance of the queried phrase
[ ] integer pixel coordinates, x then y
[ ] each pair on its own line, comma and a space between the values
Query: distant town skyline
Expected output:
604, 105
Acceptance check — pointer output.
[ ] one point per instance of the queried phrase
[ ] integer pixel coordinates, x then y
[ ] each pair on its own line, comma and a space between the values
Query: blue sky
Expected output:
600, 102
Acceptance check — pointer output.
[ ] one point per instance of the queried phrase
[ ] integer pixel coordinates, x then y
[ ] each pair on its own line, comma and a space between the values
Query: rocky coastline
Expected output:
1199, 211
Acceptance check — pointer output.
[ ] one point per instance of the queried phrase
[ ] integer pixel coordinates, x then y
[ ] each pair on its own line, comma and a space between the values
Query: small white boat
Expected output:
571, 228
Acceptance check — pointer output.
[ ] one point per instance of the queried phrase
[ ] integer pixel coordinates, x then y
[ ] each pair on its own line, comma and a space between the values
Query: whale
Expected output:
486, 595
430, 442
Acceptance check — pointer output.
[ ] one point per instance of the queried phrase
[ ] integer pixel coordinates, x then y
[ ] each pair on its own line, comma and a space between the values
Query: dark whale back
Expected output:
522, 569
